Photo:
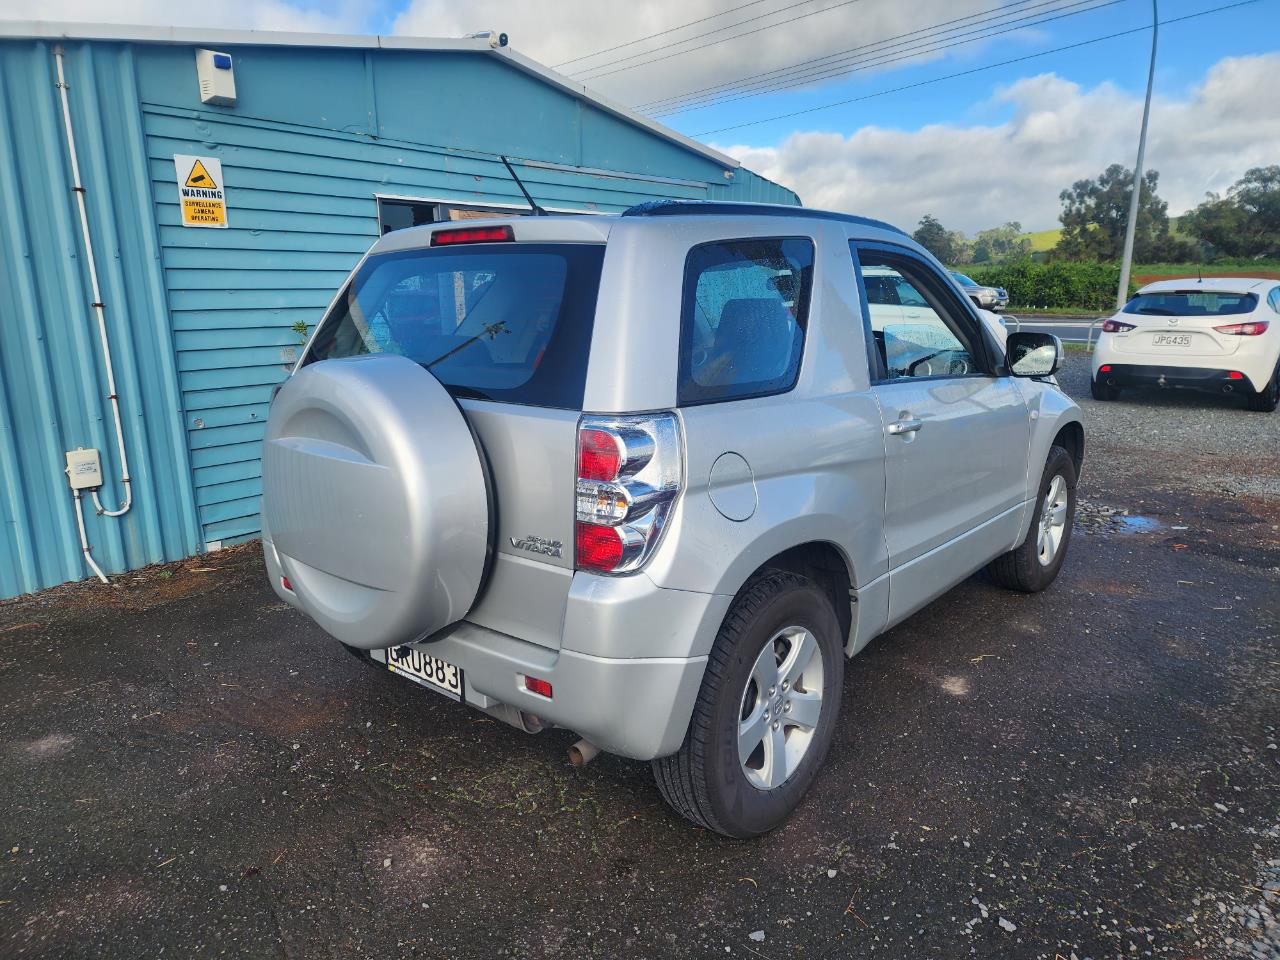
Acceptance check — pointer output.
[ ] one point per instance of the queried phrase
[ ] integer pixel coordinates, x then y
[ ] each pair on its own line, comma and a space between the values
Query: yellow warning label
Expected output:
199, 177
204, 204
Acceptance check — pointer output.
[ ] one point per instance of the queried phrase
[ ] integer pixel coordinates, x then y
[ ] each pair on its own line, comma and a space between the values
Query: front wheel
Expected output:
766, 712
1034, 564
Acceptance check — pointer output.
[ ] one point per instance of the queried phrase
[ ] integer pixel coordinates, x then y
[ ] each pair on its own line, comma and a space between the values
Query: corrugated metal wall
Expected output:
52, 386
203, 320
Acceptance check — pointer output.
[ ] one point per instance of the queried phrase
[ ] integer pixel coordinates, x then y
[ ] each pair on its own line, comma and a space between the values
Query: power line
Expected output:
965, 73
660, 33
731, 84
844, 64
712, 43
923, 49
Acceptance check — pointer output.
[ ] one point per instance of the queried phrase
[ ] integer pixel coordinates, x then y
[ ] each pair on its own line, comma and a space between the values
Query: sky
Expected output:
879, 107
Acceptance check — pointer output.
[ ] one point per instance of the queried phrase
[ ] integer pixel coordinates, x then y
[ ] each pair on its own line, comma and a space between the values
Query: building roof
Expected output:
59, 30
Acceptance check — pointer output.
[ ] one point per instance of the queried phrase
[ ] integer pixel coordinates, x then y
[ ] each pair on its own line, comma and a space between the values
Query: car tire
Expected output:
708, 781
1268, 398
1103, 391
1027, 568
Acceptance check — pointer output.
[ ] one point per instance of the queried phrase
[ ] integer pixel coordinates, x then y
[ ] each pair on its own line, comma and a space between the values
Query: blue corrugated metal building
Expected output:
329, 140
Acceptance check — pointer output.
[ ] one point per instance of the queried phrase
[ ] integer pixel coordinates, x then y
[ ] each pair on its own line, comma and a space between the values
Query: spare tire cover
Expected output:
375, 497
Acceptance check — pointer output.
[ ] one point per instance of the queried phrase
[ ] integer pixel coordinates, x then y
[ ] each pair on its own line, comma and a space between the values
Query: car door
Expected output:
956, 432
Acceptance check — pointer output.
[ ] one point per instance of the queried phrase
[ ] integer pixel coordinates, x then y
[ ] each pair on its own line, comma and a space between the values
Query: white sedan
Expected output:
1221, 335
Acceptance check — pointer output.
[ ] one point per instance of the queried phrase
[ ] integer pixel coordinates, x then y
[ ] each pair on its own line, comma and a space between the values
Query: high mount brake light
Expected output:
1250, 328
629, 475
1116, 326
447, 238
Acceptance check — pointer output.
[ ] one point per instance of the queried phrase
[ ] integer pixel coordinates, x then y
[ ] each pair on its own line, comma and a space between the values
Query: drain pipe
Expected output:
98, 306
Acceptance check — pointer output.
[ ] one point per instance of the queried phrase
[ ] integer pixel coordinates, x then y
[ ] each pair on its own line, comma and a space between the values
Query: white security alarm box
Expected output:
84, 468
217, 77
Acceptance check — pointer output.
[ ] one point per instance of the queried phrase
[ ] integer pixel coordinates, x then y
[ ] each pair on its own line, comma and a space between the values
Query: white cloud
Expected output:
554, 32
334, 16
978, 176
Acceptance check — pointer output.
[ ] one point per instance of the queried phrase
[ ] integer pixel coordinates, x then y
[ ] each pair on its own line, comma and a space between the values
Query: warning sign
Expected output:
204, 204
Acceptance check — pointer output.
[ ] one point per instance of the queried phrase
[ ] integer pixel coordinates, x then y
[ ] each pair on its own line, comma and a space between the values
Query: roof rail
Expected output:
713, 208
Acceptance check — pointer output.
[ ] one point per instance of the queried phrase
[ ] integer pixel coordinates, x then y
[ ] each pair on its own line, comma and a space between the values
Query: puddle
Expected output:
1100, 518
1131, 523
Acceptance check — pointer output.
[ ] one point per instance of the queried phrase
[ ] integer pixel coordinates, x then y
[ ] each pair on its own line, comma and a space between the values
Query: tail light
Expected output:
629, 474
447, 238
1250, 328
1116, 326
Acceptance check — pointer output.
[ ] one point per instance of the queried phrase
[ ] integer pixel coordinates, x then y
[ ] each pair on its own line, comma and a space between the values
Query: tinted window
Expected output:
963, 280
505, 322
1192, 303
919, 331
746, 305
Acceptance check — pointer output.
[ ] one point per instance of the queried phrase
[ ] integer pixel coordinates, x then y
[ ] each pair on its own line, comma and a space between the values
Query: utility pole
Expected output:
1126, 261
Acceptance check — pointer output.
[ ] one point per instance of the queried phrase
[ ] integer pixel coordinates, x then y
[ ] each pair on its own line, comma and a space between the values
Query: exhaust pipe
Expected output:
583, 752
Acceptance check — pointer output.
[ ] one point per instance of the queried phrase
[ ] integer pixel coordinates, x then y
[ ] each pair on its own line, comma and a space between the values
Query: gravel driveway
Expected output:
189, 769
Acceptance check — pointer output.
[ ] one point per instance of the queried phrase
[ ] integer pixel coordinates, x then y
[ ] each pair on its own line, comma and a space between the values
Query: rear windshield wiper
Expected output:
491, 330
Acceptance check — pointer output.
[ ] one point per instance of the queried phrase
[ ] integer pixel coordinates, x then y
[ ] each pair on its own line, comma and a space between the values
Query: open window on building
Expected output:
396, 213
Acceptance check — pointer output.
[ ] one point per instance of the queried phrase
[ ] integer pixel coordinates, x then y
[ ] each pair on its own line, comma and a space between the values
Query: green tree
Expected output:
1095, 214
1000, 243
1244, 223
947, 245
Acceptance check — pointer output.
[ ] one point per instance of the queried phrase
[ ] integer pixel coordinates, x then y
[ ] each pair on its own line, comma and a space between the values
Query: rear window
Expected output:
1194, 303
509, 322
746, 306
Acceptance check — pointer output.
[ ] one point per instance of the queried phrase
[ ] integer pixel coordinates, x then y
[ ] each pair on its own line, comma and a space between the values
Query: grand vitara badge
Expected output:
549, 548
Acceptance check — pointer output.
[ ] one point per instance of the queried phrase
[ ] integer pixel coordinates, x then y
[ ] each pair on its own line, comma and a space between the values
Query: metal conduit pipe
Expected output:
84, 540
98, 307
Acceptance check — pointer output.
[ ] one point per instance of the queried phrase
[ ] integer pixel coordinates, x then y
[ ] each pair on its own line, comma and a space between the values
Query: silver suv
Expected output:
653, 477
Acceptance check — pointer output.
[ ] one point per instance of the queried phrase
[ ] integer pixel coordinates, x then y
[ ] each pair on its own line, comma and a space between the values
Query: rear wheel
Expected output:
1035, 563
1268, 398
766, 712
1103, 391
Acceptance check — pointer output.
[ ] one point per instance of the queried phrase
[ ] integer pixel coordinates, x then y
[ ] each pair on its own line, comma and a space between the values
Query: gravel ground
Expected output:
189, 768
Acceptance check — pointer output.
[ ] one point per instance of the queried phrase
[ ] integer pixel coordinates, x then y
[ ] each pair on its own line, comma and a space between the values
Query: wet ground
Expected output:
189, 769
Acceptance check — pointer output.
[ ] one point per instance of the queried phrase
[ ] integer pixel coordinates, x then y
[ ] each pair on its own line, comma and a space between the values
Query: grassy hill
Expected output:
1043, 240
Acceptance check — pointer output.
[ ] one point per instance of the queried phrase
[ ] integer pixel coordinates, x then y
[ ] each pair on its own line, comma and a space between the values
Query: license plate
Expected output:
1171, 339
424, 669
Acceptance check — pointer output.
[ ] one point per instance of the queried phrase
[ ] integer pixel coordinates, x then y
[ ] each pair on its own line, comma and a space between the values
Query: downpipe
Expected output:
98, 309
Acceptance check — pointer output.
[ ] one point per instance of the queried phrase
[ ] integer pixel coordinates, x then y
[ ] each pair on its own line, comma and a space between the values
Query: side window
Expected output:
1274, 299
923, 332
743, 318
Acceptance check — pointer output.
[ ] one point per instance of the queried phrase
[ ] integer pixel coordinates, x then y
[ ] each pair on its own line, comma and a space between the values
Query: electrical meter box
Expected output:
84, 469
217, 77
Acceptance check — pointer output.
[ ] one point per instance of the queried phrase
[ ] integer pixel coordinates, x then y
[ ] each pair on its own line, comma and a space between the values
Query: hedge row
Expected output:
1061, 283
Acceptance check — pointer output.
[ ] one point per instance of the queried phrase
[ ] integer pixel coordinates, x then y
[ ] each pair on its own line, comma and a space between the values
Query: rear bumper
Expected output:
1213, 379
631, 705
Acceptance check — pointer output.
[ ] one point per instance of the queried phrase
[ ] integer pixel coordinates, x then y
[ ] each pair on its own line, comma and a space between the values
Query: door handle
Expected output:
905, 425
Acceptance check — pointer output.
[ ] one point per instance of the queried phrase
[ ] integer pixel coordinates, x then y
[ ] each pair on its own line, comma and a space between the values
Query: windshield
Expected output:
964, 281
1191, 303
505, 322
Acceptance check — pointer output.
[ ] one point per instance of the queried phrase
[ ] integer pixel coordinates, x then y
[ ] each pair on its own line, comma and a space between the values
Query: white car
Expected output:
1220, 335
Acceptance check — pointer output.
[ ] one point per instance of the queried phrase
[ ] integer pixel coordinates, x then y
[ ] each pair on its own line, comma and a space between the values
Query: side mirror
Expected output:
1030, 354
